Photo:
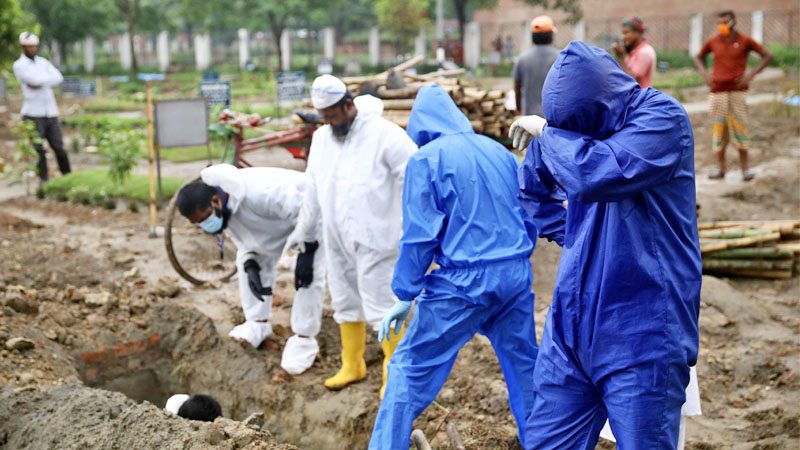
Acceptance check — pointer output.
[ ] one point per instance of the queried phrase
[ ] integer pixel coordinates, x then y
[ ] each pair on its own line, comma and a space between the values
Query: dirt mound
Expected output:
73, 416
14, 223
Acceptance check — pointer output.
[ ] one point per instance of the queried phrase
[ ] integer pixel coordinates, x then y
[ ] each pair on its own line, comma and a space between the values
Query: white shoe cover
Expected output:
299, 354
252, 332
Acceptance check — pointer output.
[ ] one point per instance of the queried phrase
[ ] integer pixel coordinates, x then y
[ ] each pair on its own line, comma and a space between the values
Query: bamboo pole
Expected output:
732, 234
712, 245
748, 223
769, 274
752, 253
793, 247
740, 264
151, 158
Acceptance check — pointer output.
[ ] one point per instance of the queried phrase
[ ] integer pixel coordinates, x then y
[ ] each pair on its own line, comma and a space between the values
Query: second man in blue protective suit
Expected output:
622, 331
460, 210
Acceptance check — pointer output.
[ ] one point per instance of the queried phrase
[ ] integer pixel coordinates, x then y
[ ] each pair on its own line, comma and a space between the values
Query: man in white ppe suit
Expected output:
258, 209
356, 167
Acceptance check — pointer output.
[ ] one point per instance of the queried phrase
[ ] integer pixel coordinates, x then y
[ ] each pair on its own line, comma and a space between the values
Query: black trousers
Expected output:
49, 129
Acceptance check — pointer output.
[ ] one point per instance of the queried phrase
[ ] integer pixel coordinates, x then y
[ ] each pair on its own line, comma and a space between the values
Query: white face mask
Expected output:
213, 224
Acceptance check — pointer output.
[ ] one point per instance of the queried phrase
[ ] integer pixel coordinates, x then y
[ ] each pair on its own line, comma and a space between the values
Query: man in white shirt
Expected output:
36, 77
355, 168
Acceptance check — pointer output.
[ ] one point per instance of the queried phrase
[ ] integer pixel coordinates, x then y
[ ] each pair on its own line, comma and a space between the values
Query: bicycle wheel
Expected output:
195, 255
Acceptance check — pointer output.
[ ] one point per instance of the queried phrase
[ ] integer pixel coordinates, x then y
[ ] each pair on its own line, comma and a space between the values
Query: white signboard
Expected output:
181, 123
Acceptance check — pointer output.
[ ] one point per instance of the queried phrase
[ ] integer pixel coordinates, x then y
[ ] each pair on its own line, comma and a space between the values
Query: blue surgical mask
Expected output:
212, 225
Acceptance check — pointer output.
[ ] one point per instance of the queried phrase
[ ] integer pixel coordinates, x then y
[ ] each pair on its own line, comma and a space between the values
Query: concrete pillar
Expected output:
374, 46
439, 20
420, 43
696, 34
202, 51
162, 50
472, 45
757, 26
286, 51
88, 54
579, 31
125, 52
525, 33
329, 36
55, 56
244, 47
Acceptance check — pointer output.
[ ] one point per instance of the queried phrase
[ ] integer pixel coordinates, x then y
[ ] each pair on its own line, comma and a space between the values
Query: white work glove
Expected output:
398, 315
524, 129
297, 240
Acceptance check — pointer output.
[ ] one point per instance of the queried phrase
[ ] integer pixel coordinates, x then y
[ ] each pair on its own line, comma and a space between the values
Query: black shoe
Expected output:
747, 175
716, 175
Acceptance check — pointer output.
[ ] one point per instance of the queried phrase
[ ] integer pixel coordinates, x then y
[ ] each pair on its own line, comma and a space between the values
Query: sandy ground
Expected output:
83, 283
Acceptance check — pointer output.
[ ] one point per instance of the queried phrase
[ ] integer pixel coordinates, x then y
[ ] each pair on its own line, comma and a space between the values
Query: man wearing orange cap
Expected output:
532, 66
636, 55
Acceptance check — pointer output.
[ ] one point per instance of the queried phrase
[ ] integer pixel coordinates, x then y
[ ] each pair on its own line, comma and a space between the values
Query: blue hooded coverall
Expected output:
622, 330
460, 209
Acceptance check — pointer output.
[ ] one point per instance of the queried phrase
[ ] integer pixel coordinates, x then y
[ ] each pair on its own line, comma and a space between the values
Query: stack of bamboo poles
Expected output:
485, 110
761, 249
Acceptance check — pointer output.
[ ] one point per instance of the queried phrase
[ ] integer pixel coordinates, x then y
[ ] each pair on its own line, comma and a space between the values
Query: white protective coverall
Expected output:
356, 189
265, 203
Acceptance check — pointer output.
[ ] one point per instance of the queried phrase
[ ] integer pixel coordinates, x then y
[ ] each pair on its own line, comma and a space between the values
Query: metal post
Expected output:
151, 158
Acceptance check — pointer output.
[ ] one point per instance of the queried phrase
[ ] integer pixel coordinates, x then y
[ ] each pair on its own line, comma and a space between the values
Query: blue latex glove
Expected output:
398, 314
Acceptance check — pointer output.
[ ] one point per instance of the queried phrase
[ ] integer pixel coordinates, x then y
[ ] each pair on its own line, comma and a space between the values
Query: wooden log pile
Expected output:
759, 249
485, 109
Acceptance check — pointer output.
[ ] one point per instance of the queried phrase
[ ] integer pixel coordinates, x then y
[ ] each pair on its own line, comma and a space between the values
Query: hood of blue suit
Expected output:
434, 114
587, 92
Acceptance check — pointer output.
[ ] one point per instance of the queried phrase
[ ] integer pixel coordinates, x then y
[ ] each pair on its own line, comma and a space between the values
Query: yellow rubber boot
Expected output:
354, 369
388, 350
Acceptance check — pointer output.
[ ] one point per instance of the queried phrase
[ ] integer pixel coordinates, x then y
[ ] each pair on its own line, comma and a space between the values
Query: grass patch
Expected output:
677, 79
188, 154
94, 186
103, 105
85, 120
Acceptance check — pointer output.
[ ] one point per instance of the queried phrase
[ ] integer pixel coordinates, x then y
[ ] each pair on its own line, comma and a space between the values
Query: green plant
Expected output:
26, 157
123, 150
786, 57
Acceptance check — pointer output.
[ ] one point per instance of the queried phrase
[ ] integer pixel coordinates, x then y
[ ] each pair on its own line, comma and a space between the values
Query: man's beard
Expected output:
340, 131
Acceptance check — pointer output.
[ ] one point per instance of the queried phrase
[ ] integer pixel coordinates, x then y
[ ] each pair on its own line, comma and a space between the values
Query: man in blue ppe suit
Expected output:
622, 331
460, 209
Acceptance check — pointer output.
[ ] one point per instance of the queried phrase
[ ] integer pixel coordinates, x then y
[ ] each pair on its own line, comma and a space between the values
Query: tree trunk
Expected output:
277, 25
134, 63
277, 33
309, 47
461, 13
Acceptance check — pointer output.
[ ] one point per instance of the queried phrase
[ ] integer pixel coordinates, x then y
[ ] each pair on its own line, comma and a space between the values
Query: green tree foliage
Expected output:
13, 21
69, 21
402, 19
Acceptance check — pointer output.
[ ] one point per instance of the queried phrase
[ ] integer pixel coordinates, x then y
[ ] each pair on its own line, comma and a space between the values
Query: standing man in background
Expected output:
532, 66
36, 77
637, 56
729, 83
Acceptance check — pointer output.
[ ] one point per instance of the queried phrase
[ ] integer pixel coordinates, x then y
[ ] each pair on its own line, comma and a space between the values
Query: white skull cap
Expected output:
28, 38
175, 402
326, 91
